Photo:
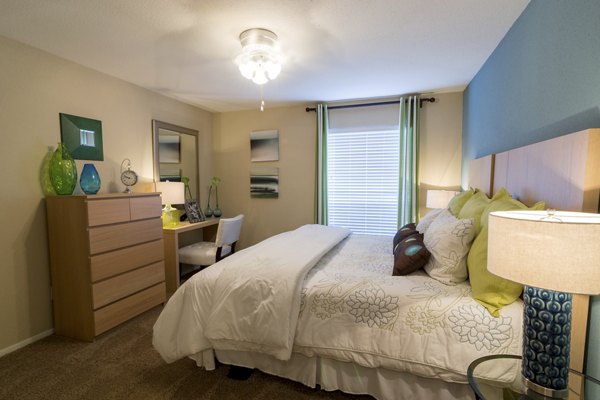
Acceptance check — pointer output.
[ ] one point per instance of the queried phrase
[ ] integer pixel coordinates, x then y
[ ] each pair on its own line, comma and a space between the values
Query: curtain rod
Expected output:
381, 103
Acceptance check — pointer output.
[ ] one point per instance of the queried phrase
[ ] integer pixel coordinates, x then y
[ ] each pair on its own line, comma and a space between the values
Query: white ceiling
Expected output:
334, 49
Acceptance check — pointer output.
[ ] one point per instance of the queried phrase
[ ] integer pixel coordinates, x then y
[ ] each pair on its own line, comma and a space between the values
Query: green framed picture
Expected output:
82, 137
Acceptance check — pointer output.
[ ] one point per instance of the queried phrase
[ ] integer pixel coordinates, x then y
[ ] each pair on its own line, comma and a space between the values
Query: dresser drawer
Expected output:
145, 207
112, 237
116, 262
107, 211
123, 285
119, 312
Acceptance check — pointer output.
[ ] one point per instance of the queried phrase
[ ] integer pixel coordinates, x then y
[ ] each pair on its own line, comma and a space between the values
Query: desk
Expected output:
179, 236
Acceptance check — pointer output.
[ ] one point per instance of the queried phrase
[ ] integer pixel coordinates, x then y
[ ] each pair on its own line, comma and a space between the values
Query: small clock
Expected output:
128, 176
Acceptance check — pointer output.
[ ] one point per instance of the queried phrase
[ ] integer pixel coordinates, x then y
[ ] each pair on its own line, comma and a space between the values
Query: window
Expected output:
362, 179
359, 159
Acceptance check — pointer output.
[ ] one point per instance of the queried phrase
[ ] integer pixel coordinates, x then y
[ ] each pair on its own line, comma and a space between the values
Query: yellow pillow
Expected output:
459, 200
489, 290
474, 207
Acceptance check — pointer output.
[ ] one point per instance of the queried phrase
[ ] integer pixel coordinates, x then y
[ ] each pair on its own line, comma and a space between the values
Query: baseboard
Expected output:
25, 342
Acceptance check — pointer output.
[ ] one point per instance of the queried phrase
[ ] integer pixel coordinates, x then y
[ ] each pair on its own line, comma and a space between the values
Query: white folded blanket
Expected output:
254, 303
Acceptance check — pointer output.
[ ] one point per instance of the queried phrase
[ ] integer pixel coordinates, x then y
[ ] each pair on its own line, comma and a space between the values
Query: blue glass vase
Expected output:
90, 179
217, 211
208, 212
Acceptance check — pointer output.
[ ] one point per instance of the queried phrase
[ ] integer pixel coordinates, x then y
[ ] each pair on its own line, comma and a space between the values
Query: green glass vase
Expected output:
63, 172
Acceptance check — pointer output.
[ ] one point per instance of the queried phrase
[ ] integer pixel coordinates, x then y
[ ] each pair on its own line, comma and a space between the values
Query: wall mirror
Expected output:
175, 151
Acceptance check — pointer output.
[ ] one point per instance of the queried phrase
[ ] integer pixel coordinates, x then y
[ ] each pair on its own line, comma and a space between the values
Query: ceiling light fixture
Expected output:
260, 59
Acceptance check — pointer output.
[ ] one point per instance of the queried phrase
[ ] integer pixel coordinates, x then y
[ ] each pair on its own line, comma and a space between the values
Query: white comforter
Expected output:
254, 302
351, 309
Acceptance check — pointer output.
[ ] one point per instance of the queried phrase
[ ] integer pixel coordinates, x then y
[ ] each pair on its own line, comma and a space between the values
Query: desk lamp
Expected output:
171, 193
554, 254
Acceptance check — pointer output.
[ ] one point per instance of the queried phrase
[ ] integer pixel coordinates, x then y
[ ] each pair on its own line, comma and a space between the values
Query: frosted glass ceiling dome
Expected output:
261, 58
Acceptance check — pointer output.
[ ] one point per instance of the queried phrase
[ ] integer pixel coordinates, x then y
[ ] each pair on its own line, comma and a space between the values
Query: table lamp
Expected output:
554, 254
171, 193
439, 198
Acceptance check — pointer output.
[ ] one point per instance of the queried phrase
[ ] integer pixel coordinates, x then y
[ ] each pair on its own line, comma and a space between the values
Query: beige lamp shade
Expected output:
171, 192
439, 198
559, 251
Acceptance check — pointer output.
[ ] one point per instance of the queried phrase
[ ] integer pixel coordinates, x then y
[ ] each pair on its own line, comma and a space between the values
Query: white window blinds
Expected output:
362, 178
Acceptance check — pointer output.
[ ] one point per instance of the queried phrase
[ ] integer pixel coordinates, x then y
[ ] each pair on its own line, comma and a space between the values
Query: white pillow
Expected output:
449, 239
424, 223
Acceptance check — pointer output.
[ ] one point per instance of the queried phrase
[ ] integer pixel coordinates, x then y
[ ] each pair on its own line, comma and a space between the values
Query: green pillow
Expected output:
474, 207
489, 290
508, 204
458, 201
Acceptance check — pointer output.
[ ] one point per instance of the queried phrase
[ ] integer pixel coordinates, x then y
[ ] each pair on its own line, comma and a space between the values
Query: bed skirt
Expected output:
383, 384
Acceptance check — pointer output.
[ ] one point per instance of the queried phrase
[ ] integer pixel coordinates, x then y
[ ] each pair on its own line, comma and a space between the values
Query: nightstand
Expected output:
490, 389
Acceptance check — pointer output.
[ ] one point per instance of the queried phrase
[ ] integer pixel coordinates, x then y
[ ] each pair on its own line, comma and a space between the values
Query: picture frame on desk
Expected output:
193, 211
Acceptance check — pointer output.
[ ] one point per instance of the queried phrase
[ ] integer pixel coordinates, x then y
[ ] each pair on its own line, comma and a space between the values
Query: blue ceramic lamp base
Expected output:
546, 341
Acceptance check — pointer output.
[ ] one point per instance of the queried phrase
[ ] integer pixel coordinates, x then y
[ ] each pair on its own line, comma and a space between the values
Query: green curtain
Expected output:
321, 167
408, 193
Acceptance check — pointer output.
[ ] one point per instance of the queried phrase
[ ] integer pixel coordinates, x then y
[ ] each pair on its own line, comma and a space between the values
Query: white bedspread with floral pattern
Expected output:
352, 309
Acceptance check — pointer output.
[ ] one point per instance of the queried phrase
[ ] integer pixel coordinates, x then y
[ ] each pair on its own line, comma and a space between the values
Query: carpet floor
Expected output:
122, 364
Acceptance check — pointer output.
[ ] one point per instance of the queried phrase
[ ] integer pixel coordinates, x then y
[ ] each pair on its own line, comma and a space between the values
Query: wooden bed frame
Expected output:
564, 172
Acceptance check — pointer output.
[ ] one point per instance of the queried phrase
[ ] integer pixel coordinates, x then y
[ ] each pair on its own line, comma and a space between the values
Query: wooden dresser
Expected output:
106, 259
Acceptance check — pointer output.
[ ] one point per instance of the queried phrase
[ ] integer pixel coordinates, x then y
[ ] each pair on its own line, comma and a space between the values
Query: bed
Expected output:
320, 306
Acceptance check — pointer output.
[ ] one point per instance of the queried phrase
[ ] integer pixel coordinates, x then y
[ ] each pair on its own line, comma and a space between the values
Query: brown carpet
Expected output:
122, 364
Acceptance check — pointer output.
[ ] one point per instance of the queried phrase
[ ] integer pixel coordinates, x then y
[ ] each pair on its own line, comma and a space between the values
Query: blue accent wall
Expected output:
542, 81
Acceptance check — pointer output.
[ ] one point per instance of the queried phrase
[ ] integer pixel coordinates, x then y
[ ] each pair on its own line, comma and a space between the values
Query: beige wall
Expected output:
441, 128
231, 157
441, 132
34, 88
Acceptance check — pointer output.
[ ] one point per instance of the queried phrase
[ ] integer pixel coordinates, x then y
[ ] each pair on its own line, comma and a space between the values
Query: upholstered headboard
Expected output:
564, 171
481, 174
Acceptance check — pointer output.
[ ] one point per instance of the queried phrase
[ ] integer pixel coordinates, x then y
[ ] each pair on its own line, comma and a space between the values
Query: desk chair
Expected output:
204, 254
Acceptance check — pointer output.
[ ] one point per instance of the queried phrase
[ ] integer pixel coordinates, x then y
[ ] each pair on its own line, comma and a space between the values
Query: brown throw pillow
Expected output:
404, 232
410, 255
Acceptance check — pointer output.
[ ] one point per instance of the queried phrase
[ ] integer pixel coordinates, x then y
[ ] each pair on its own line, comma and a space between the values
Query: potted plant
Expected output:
215, 183
186, 187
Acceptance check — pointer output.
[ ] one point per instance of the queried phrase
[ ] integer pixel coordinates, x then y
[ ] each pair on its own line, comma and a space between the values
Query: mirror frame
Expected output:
156, 125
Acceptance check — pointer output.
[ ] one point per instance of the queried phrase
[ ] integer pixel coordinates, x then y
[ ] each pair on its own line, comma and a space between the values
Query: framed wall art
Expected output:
169, 149
171, 174
264, 145
264, 182
82, 137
